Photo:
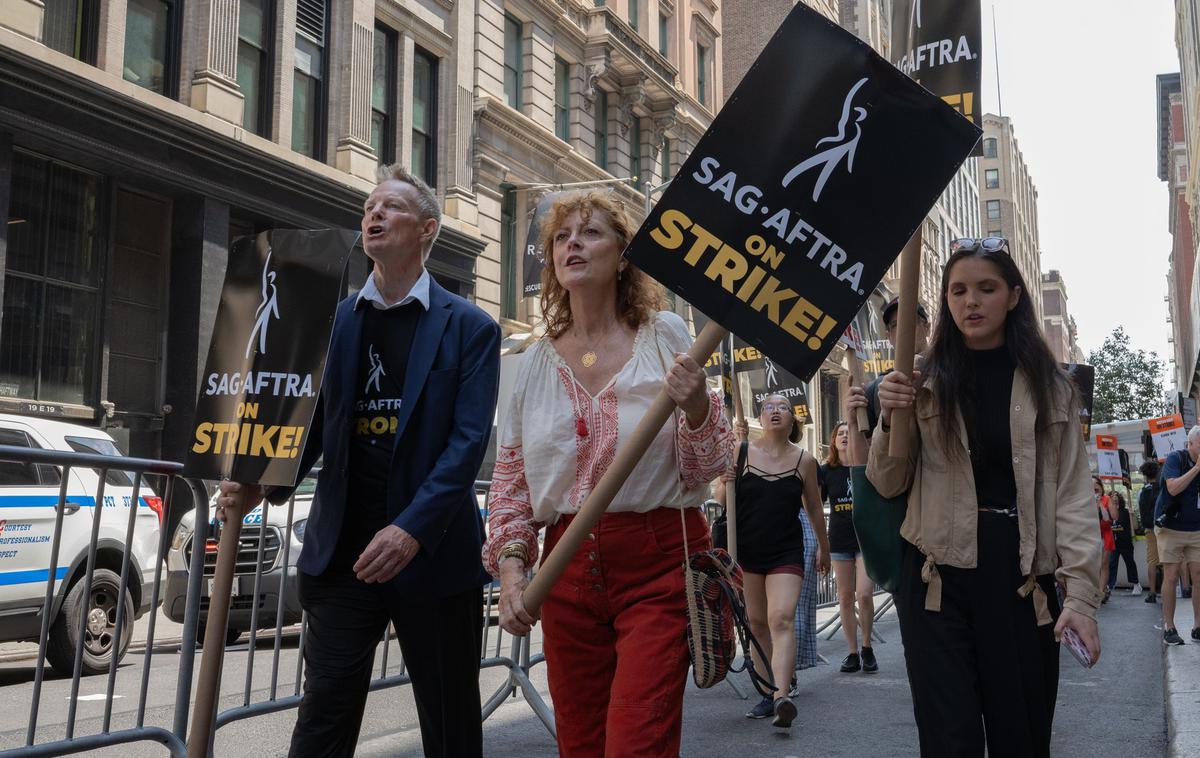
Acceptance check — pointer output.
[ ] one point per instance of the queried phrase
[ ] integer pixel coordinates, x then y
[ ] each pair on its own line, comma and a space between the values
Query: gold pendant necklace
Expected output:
589, 358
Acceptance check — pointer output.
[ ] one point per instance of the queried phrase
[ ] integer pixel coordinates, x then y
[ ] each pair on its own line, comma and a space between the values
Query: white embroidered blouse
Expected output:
557, 441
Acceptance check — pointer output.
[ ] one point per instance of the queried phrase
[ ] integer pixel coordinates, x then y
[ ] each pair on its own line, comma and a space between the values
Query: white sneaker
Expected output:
1137, 590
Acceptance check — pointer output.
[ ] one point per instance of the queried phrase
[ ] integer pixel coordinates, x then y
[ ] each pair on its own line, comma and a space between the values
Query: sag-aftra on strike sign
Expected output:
809, 182
267, 355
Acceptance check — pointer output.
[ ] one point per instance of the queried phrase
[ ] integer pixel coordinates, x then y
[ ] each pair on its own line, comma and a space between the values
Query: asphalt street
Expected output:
1114, 710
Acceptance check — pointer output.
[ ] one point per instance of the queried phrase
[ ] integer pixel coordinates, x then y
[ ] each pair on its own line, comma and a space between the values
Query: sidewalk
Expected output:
1181, 687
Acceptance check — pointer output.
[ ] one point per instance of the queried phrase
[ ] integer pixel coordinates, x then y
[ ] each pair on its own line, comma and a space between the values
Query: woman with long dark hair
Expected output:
997, 483
777, 481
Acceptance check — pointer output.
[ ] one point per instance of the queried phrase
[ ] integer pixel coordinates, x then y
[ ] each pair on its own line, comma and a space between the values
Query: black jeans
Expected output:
440, 640
1131, 573
981, 669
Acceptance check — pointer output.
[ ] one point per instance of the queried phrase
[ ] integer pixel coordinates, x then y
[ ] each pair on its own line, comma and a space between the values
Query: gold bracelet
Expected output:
514, 550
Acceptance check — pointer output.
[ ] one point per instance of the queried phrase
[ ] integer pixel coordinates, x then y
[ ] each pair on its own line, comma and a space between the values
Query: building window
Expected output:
383, 95
993, 209
635, 152
664, 35
52, 277
995, 233
989, 147
514, 43
424, 112
562, 99
254, 65
308, 86
991, 178
633, 14
600, 125
69, 26
152, 45
702, 74
664, 160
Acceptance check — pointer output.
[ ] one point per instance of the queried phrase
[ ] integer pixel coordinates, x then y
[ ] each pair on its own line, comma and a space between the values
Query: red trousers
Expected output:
615, 629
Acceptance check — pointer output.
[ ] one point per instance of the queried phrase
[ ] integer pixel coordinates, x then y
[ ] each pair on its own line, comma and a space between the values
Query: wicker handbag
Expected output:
716, 610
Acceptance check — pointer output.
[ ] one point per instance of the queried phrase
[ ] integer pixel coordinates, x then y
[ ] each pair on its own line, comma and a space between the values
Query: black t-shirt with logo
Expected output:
383, 354
836, 490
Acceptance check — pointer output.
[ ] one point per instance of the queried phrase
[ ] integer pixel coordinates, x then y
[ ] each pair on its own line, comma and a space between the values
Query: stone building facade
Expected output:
1057, 323
1008, 199
155, 131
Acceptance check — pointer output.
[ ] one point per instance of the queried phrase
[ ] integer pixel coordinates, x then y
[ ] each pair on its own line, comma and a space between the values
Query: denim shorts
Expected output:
844, 556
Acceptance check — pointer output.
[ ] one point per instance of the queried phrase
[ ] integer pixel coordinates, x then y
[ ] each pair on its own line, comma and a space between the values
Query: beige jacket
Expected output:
1055, 509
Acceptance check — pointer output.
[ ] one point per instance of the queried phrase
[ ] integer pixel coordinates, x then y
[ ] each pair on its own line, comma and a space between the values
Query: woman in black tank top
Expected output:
778, 479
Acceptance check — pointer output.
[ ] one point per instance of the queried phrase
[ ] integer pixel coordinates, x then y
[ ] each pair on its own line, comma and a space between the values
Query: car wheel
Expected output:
100, 625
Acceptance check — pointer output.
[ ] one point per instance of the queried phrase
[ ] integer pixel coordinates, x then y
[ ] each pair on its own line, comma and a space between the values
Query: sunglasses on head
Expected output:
987, 244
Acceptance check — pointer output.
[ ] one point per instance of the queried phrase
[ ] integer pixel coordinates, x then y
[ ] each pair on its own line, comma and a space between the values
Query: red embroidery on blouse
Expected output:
595, 450
510, 514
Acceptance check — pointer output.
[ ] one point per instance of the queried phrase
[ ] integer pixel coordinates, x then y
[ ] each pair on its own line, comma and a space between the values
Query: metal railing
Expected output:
56, 593
499, 650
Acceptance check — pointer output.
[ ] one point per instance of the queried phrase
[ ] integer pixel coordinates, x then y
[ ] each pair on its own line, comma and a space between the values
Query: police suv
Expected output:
29, 496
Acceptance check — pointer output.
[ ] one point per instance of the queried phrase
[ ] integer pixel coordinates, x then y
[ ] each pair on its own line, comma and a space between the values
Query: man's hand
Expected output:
389, 552
1084, 626
238, 496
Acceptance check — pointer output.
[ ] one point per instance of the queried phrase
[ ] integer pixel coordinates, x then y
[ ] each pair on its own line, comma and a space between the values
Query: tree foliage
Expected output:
1129, 383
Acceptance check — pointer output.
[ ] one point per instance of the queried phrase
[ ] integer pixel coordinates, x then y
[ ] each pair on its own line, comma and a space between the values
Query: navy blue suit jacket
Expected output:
441, 435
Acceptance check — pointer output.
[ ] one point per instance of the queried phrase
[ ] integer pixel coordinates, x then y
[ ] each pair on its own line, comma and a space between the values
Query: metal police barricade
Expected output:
254, 552
100, 616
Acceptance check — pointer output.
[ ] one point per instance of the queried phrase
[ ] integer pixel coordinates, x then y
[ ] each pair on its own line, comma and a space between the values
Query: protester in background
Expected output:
1107, 513
848, 567
394, 533
1122, 529
615, 622
1146, 500
1177, 529
976, 597
920, 345
779, 479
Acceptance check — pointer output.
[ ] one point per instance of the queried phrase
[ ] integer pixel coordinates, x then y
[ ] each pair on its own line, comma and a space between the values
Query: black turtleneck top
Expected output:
988, 429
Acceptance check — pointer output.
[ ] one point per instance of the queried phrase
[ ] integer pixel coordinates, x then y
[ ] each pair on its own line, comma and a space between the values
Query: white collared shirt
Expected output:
371, 293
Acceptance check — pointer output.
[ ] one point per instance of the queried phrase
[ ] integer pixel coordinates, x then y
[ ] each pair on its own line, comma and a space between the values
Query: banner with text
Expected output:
534, 258
267, 354
803, 191
1108, 460
938, 43
1168, 435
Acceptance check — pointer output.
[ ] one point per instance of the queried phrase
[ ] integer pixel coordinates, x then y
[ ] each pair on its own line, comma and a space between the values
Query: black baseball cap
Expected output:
894, 303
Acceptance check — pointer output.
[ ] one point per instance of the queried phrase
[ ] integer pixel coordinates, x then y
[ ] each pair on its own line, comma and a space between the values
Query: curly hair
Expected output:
639, 297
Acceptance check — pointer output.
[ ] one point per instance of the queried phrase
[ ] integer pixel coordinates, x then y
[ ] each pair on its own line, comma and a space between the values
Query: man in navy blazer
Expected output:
395, 534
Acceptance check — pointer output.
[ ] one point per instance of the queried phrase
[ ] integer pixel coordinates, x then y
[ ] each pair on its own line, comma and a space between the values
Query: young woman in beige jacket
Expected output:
999, 507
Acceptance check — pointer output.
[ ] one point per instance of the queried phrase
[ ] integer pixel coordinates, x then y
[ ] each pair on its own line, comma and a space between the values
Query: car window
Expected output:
15, 474
103, 447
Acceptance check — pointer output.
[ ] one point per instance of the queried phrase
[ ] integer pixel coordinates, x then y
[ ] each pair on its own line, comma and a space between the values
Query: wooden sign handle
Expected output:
204, 710
618, 471
906, 334
731, 487
856, 379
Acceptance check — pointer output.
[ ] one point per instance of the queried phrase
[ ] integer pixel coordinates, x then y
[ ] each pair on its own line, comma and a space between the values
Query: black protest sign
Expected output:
802, 192
938, 43
1084, 377
773, 380
534, 258
267, 355
743, 357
